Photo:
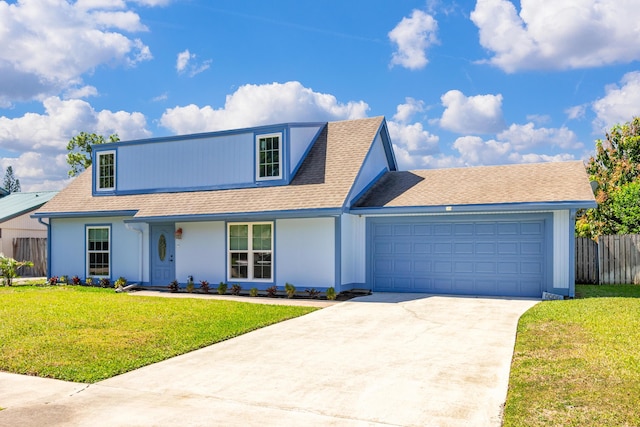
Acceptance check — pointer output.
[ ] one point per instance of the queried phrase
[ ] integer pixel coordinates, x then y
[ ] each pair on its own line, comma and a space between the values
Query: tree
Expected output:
616, 169
79, 150
11, 184
9, 268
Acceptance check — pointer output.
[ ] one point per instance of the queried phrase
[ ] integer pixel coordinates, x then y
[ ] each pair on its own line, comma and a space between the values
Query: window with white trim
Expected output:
98, 251
250, 247
106, 170
268, 156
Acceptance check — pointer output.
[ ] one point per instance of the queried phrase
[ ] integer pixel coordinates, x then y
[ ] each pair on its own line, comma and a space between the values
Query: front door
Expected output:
163, 267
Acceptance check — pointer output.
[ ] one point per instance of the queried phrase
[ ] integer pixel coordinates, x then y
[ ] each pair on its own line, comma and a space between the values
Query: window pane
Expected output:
239, 265
238, 237
262, 265
261, 237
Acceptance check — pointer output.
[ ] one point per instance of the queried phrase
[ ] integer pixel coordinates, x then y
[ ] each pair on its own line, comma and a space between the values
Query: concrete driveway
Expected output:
385, 359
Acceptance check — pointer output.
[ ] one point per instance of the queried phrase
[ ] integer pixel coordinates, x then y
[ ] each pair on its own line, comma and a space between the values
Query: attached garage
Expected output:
466, 254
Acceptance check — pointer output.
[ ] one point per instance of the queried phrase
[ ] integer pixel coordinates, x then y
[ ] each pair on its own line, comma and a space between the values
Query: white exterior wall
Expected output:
201, 252
561, 242
68, 248
305, 252
20, 226
353, 251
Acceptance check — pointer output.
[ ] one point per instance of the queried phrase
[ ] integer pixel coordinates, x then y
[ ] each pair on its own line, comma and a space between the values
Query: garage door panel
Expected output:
501, 257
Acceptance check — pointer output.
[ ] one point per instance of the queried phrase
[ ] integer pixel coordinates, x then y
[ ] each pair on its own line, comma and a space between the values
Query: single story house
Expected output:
21, 236
317, 205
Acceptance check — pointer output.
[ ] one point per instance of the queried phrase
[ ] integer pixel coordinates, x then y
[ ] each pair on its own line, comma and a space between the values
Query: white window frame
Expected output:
251, 253
90, 251
98, 169
280, 153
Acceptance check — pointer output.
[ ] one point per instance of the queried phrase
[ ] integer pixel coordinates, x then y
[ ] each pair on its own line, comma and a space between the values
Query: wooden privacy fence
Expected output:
612, 260
31, 249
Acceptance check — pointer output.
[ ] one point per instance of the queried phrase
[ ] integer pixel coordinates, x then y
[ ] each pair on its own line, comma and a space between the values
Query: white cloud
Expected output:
47, 45
185, 62
413, 36
81, 92
473, 114
558, 34
620, 104
253, 105
576, 112
42, 138
404, 112
527, 137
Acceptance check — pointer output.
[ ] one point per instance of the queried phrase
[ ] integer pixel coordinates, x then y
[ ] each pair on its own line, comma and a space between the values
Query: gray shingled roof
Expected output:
322, 182
522, 183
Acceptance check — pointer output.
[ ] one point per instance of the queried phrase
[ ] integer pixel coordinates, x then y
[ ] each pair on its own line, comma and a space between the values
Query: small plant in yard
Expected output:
75, 280
105, 282
173, 286
290, 290
190, 285
313, 292
204, 286
222, 288
53, 280
271, 291
331, 294
121, 282
62, 279
89, 281
235, 289
253, 292
9, 268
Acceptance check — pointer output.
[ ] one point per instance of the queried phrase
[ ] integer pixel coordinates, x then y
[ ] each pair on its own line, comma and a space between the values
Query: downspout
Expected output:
572, 253
48, 225
131, 227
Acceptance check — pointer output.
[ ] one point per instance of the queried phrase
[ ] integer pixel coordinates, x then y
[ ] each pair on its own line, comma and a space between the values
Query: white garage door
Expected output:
473, 256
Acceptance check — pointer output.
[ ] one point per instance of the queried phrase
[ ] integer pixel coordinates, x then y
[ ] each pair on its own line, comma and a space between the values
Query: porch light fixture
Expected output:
178, 233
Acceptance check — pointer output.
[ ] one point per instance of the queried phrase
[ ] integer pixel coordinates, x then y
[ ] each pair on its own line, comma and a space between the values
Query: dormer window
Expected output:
106, 170
268, 156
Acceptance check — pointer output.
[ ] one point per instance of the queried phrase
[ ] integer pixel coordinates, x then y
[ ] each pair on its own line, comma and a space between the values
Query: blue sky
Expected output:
460, 83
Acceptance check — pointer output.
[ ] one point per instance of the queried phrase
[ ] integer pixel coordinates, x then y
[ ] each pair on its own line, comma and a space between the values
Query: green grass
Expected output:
577, 362
87, 334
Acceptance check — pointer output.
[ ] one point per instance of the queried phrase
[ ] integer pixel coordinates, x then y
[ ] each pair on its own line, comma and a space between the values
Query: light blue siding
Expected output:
68, 247
189, 163
305, 252
470, 254
373, 166
301, 139
201, 252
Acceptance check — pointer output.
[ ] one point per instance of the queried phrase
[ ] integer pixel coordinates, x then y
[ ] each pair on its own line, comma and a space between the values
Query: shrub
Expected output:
173, 286
222, 288
271, 291
253, 292
75, 280
89, 281
204, 286
105, 282
290, 290
313, 292
235, 289
121, 282
190, 286
331, 294
62, 279
53, 280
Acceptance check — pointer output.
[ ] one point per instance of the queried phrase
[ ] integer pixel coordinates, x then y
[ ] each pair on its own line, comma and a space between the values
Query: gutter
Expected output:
48, 225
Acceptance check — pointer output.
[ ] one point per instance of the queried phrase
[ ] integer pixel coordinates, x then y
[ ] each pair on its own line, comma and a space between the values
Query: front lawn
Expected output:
88, 334
577, 362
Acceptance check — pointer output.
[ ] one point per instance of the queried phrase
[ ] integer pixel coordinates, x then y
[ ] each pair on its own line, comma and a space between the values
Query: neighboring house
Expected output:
15, 219
317, 205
